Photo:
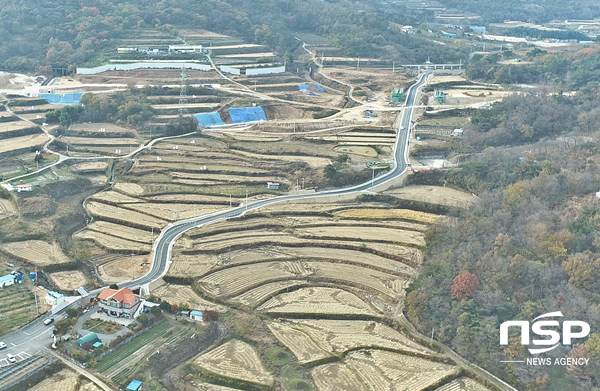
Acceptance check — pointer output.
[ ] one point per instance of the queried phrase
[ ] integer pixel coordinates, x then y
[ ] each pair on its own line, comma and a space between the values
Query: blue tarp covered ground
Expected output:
319, 88
303, 87
313, 94
66, 99
209, 119
247, 114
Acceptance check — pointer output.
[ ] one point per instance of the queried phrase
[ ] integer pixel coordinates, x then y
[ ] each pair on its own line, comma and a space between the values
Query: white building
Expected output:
196, 315
185, 48
26, 187
54, 298
7, 280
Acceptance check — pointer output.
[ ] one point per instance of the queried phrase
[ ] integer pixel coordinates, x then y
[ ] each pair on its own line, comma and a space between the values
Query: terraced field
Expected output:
326, 279
17, 307
36, 252
235, 359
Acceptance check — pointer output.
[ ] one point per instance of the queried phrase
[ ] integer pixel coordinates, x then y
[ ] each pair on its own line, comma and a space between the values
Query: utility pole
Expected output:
394, 67
297, 184
358, 64
302, 183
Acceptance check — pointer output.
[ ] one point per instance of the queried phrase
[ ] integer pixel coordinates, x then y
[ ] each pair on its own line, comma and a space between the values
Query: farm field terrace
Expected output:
321, 284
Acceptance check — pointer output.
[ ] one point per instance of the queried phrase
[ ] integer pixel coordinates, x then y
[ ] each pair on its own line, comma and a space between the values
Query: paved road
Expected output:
162, 247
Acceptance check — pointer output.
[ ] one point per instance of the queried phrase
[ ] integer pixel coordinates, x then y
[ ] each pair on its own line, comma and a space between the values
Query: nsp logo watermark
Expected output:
571, 329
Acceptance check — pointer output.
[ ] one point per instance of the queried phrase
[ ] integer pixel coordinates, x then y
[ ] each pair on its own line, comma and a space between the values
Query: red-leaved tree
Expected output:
464, 286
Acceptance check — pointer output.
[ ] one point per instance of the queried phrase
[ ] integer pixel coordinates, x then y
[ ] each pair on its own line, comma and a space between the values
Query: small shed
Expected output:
196, 315
135, 385
7, 280
91, 338
273, 185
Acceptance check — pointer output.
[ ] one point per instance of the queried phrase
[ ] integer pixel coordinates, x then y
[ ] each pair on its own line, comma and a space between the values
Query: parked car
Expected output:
2, 345
48, 321
11, 358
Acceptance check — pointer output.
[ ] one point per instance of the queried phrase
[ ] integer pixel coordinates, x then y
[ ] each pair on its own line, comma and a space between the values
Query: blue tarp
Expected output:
319, 88
66, 99
134, 385
303, 87
247, 114
313, 94
209, 119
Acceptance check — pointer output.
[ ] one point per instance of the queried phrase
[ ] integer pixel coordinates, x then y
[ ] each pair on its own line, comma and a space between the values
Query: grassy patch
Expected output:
278, 356
102, 327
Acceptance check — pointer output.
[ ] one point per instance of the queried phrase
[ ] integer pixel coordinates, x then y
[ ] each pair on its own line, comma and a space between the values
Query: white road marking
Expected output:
3, 362
13, 344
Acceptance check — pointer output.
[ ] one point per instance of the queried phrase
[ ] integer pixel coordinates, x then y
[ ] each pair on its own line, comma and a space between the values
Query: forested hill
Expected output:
60, 33
536, 11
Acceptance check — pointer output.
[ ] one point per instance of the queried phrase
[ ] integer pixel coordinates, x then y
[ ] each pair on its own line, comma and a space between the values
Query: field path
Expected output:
85, 373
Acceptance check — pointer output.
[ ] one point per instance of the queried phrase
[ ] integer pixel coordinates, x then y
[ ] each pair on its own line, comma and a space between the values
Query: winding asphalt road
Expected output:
168, 236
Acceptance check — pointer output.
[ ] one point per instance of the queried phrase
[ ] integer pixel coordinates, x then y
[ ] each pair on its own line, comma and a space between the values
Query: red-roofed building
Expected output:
122, 303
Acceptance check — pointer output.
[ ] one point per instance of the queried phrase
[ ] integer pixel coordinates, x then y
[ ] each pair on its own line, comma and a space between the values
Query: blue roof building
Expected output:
196, 315
7, 280
135, 385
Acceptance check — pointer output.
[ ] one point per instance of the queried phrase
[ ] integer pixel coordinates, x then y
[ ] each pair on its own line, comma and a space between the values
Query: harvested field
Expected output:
235, 359
121, 269
435, 195
132, 189
65, 380
112, 242
109, 212
196, 167
335, 377
189, 198
24, 142
93, 128
304, 348
338, 336
185, 294
310, 160
112, 197
380, 370
121, 231
317, 300
101, 141
174, 212
36, 252
191, 265
372, 234
89, 167
255, 296
88, 386
15, 125
7, 208
383, 214
68, 280
463, 384
361, 151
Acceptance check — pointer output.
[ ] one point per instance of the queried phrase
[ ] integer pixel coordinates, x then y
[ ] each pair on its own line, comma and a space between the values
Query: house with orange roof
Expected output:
120, 303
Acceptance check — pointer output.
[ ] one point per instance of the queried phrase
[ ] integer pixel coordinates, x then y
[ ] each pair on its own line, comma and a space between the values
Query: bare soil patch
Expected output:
69, 280
122, 269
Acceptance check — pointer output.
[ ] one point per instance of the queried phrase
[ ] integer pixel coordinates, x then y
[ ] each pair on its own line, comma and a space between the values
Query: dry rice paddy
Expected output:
462, 384
132, 189
113, 243
112, 197
36, 252
121, 269
69, 280
185, 294
372, 234
435, 195
7, 208
338, 336
23, 142
317, 300
385, 214
121, 231
65, 380
235, 359
109, 212
335, 377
